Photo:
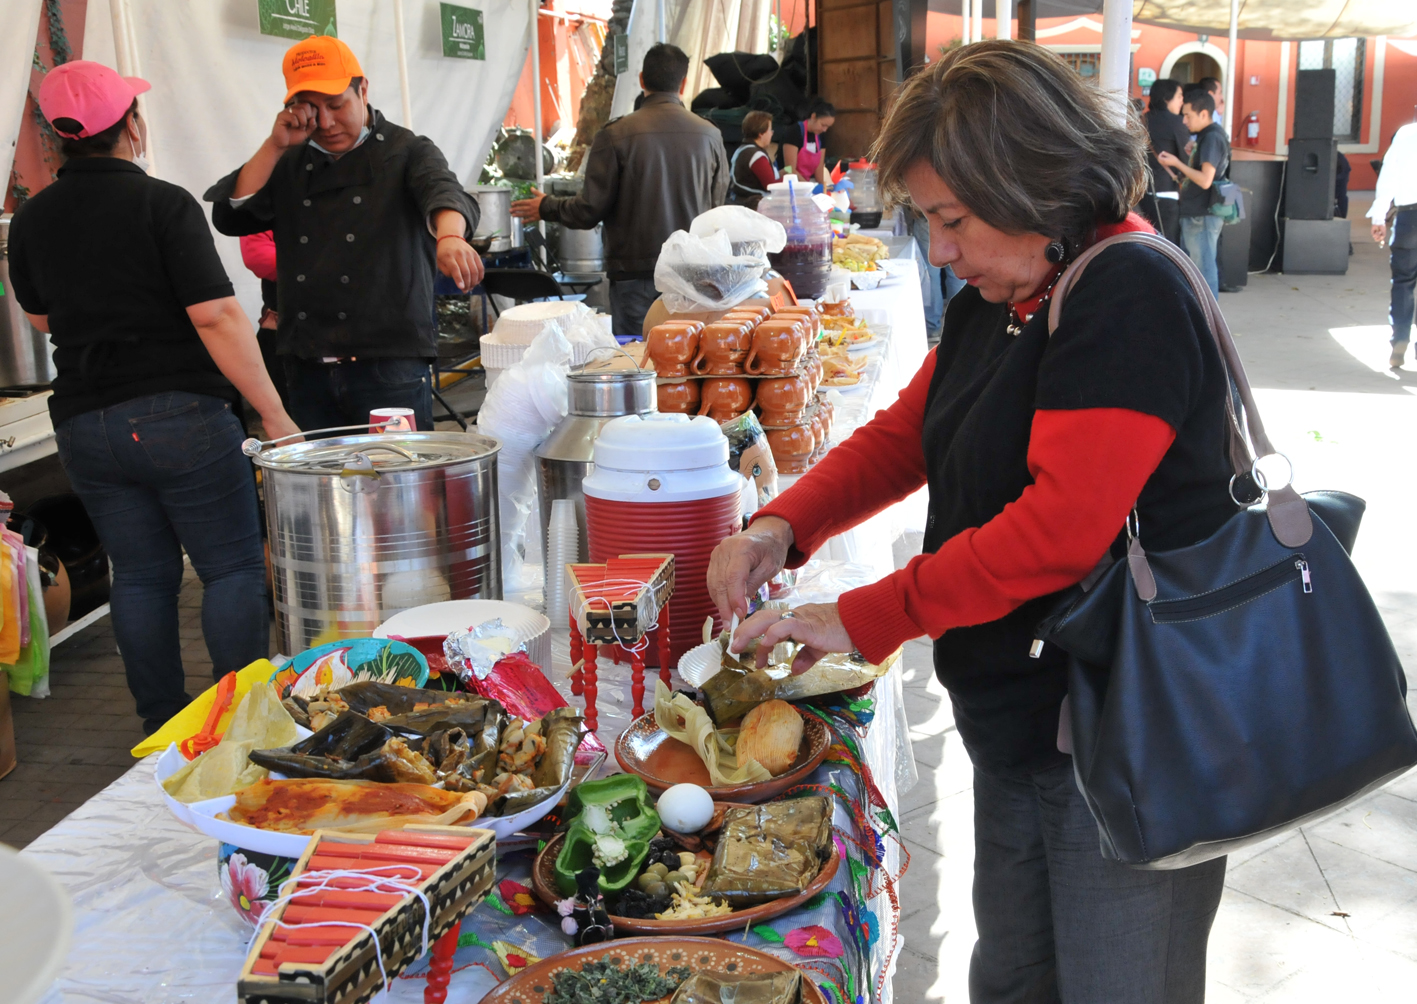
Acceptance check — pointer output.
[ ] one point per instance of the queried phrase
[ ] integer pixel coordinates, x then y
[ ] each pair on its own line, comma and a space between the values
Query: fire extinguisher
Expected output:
1252, 129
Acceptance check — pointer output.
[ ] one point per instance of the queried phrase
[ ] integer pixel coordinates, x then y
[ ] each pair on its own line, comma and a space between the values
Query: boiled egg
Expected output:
685, 808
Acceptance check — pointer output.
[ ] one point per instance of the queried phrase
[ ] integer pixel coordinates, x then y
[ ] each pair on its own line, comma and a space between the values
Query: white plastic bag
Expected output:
743, 226
701, 273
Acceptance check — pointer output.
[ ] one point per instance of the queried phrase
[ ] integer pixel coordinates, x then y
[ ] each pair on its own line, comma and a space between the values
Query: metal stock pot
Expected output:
364, 526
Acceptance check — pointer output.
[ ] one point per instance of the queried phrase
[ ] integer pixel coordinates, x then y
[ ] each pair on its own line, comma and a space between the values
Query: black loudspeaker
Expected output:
1313, 104
1309, 179
1316, 247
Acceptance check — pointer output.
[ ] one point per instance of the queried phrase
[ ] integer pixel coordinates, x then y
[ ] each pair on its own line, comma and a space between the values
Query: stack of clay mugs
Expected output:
750, 357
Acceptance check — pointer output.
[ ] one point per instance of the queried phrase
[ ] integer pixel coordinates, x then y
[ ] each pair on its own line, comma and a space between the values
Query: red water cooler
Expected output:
662, 483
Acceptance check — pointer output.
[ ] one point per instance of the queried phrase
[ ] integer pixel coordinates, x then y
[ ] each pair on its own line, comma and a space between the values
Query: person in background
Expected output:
152, 351
647, 175
1340, 188
1034, 449
363, 211
1394, 219
1217, 94
1167, 132
258, 254
1200, 230
751, 170
803, 146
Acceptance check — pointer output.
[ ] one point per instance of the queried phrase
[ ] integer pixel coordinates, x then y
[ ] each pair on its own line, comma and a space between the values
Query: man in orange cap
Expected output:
363, 211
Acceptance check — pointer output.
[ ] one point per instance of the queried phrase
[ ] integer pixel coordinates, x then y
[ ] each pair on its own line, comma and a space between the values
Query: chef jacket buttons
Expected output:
305, 202
300, 278
309, 167
379, 136
305, 240
358, 200
301, 315
349, 237
342, 315
344, 278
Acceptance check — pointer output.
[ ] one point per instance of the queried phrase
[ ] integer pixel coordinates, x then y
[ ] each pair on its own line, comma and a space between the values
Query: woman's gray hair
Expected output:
1025, 143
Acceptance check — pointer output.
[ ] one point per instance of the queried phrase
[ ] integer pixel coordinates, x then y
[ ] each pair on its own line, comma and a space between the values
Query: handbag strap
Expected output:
1288, 512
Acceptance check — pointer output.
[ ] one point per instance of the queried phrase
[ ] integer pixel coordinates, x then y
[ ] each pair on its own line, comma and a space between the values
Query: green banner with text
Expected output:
462, 32
297, 18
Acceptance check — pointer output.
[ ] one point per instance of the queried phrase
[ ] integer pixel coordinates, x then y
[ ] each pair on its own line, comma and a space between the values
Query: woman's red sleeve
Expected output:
762, 167
880, 464
1088, 468
258, 253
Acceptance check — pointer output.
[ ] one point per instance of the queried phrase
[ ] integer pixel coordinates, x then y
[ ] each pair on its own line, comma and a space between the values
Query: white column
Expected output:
966, 20
977, 33
1230, 61
404, 92
660, 33
1004, 19
1117, 51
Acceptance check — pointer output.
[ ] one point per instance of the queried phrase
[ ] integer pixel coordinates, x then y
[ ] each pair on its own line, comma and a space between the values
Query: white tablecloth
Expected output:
898, 299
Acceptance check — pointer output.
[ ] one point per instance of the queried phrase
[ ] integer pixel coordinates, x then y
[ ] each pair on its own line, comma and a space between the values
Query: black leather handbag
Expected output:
1222, 692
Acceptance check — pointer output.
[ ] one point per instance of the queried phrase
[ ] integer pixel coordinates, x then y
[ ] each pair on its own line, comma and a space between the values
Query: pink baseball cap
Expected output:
90, 94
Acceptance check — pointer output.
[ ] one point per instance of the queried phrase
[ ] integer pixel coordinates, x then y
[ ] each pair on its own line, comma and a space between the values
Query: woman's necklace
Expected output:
1017, 318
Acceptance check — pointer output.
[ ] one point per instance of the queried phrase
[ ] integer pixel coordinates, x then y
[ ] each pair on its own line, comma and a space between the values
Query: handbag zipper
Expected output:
1292, 569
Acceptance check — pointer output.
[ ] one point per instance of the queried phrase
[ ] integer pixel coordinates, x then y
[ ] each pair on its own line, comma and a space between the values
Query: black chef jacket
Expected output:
354, 257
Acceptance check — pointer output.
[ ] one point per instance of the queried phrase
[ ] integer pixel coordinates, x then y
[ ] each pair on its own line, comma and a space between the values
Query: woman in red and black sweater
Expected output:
1035, 449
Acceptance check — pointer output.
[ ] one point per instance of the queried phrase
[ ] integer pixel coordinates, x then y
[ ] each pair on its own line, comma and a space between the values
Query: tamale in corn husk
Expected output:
740, 988
260, 720
772, 735
766, 852
739, 686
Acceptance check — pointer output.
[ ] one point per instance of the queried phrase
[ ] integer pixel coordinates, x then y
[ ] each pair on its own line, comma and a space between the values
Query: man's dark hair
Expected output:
821, 108
1163, 91
1200, 101
100, 144
1211, 85
665, 68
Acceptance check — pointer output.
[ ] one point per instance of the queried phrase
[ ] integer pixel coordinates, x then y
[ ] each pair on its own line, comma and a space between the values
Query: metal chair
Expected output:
520, 284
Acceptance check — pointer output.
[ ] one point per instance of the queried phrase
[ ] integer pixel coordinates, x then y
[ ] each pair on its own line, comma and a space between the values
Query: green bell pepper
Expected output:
612, 823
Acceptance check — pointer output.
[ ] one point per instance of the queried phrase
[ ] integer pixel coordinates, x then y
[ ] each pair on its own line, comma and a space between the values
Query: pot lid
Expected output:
661, 442
386, 452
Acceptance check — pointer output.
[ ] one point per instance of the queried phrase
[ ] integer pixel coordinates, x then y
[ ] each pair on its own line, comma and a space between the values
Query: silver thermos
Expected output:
564, 457
26, 358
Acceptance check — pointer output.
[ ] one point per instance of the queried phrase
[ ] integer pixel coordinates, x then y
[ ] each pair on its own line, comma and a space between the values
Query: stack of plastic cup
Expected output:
563, 543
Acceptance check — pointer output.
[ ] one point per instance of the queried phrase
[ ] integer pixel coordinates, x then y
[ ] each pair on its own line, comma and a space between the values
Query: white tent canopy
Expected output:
1284, 19
217, 83
18, 24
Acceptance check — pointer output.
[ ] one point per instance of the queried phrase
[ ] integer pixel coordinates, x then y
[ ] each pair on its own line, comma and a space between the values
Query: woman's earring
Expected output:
1054, 251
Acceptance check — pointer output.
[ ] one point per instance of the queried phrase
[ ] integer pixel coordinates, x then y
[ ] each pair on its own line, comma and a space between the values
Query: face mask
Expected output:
140, 157
363, 135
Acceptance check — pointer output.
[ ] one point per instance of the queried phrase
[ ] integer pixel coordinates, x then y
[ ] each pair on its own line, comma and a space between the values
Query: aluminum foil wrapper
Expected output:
473, 652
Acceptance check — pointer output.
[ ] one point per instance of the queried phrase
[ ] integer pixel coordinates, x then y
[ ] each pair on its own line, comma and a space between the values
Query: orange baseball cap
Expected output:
321, 64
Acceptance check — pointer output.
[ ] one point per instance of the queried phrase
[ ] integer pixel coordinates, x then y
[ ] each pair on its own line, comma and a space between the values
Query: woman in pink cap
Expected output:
152, 351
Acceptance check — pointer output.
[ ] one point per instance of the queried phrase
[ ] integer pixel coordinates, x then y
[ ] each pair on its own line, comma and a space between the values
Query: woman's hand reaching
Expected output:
816, 626
744, 562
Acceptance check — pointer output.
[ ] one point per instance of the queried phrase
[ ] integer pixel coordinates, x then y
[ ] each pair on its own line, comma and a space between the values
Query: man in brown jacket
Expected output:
647, 175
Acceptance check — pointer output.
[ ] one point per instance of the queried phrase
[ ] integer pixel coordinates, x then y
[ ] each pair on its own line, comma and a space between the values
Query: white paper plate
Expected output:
700, 664
528, 627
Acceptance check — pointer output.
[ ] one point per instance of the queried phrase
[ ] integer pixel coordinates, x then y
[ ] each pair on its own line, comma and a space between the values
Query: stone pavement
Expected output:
1324, 914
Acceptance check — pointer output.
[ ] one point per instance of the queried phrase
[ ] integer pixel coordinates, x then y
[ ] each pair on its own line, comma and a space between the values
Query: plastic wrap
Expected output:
769, 851
743, 226
697, 274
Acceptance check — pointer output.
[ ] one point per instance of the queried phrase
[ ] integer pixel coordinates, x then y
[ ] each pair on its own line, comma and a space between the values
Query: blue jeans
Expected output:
158, 474
1057, 922
931, 288
1404, 280
1200, 236
327, 395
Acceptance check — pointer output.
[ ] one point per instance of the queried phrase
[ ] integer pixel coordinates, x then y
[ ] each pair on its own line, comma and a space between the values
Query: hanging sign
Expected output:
1146, 76
462, 32
622, 53
297, 18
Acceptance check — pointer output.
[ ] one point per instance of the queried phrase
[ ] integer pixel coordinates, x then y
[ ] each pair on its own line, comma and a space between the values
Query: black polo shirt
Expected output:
115, 257
355, 260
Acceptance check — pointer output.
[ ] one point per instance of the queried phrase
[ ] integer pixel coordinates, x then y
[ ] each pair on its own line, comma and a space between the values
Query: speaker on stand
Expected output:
1314, 242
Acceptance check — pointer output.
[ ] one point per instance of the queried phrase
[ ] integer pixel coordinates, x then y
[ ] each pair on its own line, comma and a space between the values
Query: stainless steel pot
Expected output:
580, 252
362, 527
26, 357
565, 457
495, 221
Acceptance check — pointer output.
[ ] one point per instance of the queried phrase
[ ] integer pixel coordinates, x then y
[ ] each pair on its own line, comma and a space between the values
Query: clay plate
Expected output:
533, 984
646, 750
543, 881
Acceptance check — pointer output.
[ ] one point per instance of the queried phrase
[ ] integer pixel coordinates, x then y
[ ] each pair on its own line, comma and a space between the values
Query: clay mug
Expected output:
814, 369
810, 314
778, 348
791, 448
723, 399
819, 431
722, 348
783, 400
758, 314
671, 347
680, 398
